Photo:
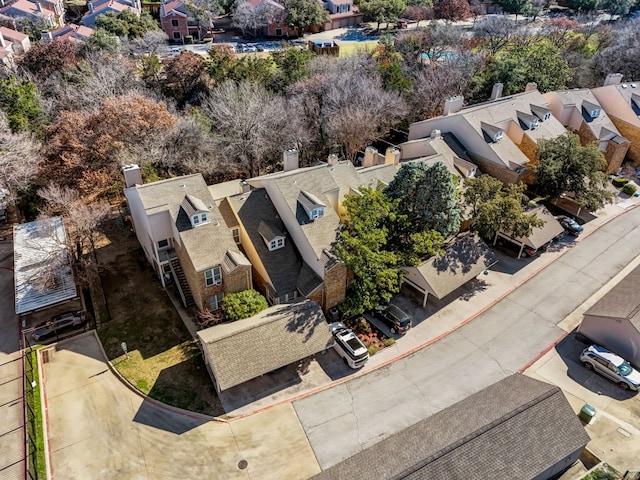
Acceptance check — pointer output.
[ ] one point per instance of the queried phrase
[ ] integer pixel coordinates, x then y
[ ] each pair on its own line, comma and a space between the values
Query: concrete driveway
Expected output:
99, 428
11, 403
503, 339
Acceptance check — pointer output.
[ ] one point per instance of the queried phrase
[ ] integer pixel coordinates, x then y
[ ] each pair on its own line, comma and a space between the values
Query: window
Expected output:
196, 219
316, 213
163, 244
236, 234
215, 302
174, 23
176, 35
213, 276
276, 243
203, 217
278, 32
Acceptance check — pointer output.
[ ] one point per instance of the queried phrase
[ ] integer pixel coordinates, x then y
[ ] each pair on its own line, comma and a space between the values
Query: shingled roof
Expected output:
278, 336
515, 429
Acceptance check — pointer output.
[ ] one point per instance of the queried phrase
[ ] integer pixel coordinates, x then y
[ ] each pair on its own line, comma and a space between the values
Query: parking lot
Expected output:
615, 430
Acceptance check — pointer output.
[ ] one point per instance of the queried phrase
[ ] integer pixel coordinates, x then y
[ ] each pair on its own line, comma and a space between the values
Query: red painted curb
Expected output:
543, 352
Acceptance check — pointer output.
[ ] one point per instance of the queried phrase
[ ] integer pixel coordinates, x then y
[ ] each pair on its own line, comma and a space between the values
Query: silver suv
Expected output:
610, 365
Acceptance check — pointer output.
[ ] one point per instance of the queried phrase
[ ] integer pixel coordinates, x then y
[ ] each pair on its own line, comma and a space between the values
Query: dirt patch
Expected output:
163, 360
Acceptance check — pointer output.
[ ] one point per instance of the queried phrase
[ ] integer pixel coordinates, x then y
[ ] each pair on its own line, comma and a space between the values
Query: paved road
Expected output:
11, 405
342, 420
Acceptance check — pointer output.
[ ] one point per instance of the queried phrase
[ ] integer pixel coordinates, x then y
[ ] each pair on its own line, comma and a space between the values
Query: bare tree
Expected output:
337, 104
495, 31
250, 126
83, 222
251, 18
19, 158
150, 42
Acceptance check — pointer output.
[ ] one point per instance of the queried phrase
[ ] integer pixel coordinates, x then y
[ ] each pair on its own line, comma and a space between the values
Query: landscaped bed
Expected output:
369, 334
163, 360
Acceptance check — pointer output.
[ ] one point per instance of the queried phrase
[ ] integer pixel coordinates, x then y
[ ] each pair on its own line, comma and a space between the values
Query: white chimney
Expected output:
531, 86
392, 156
453, 105
46, 37
332, 159
613, 79
244, 186
132, 175
435, 133
90, 7
496, 93
38, 7
2, 43
290, 159
370, 154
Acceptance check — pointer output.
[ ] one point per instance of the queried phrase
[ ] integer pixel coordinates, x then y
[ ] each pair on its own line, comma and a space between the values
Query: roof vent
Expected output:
633, 85
624, 85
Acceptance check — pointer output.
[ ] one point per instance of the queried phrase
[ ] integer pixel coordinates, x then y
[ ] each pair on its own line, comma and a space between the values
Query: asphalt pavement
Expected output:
471, 352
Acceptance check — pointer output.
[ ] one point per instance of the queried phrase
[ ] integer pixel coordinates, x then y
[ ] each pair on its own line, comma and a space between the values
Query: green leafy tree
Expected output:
244, 304
382, 11
566, 166
291, 66
369, 246
499, 209
21, 103
389, 63
616, 7
585, 5
517, 65
126, 24
302, 13
427, 197
517, 7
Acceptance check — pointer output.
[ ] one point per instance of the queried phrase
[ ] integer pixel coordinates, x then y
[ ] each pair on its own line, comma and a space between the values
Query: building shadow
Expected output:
569, 350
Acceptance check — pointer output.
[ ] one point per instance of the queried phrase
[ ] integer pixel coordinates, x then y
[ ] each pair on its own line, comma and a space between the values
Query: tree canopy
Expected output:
371, 246
566, 166
20, 101
126, 24
496, 208
427, 197
243, 304
382, 11
302, 13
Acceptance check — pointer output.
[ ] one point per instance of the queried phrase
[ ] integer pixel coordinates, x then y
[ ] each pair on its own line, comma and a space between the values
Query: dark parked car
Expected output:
570, 225
396, 319
59, 324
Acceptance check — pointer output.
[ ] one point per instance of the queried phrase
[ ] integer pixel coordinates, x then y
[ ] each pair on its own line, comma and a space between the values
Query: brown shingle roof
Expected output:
514, 429
278, 336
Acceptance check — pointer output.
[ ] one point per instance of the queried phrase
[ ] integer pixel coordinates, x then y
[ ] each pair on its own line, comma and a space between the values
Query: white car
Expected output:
610, 365
348, 346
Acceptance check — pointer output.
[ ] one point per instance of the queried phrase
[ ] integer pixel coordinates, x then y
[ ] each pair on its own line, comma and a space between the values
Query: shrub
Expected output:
244, 304
188, 39
629, 189
372, 350
618, 182
389, 341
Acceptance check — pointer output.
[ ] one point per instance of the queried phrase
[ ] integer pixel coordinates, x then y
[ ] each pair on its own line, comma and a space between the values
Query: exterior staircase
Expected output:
181, 282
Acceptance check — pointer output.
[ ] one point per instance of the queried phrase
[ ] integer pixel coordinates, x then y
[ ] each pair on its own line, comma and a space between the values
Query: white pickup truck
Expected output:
348, 345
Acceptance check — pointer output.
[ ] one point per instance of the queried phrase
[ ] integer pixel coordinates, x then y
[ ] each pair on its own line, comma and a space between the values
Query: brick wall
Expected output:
631, 133
529, 147
615, 153
505, 175
169, 29
335, 281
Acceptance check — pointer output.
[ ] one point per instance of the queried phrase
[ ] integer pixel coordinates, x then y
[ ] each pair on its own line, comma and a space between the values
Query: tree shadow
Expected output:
463, 254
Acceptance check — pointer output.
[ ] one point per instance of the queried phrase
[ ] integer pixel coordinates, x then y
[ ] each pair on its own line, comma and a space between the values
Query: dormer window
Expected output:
591, 109
311, 204
196, 210
272, 236
527, 120
543, 114
493, 134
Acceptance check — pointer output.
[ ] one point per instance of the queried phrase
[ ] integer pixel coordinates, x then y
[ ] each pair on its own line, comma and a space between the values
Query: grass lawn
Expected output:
351, 48
34, 417
163, 360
